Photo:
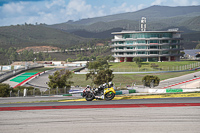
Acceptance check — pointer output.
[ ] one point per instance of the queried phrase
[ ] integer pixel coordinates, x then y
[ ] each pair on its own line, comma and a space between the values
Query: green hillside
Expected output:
153, 12
31, 35
158, 17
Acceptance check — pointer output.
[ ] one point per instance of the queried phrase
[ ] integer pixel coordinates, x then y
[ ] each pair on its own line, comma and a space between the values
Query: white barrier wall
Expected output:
157, 91
4, 68
17, 66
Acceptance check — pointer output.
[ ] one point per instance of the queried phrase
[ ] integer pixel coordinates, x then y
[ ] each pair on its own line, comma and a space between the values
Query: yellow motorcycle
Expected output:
102, 92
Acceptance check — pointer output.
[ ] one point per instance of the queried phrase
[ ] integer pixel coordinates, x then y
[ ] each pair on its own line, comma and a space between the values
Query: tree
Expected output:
138, 61
5, 90
103, 76
111, 58
94, 65
198, 45
99, 72
60, 79
150, 80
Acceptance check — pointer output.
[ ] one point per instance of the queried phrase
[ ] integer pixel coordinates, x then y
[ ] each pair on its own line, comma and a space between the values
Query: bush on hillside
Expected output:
150, 81
5, 90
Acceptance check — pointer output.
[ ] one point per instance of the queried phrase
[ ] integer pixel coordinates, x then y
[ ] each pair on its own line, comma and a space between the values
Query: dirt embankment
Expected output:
39, 49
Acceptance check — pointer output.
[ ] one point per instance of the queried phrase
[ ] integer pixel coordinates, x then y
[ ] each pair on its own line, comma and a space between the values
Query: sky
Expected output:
13, 12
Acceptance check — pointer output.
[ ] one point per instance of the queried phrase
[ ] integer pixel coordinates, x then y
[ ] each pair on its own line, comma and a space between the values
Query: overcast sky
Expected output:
13, 12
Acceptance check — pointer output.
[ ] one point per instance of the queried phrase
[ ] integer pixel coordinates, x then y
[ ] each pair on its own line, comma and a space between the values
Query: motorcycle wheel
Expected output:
89, 96
109, 96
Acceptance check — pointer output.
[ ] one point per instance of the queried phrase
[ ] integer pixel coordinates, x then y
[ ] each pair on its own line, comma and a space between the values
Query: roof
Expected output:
128, 32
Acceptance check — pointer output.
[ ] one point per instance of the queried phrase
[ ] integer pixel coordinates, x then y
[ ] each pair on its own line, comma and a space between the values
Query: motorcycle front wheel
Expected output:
109, 96
89, 96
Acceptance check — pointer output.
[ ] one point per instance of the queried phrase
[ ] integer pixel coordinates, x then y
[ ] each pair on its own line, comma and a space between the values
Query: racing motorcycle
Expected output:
102, 92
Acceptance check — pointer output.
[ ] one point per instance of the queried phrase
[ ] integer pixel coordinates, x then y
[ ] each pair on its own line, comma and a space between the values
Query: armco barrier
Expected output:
173, 90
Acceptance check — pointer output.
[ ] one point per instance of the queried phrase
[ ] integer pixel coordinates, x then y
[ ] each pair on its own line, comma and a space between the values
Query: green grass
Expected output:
121, 80
146, 66
127, 79
39, 70
79, 79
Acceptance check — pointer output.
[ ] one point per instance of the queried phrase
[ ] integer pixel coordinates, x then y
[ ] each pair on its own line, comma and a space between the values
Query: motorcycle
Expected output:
102, 92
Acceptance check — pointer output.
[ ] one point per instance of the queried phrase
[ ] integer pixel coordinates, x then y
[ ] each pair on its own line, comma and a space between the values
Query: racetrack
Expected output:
185, 119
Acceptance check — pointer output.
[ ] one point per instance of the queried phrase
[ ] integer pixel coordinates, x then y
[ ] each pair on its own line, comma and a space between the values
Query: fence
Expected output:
164, 68
37, 92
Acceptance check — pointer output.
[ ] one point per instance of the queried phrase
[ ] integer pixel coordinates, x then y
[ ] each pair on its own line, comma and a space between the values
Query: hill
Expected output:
36, 35
152, 13
157, 17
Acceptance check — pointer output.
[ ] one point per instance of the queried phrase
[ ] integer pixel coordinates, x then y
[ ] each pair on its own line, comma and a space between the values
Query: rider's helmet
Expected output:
104, 85
88, 86
110, 84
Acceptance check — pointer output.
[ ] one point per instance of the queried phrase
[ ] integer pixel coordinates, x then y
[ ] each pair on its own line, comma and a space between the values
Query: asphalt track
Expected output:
162, 102
119, 116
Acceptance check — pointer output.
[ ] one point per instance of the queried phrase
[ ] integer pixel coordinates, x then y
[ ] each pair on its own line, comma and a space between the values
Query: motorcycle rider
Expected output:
87, 87
110, 84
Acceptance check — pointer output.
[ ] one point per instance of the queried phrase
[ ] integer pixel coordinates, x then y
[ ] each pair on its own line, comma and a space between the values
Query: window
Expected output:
168, 35
165, 52
141, 41
141, 52
174, 41
165, 47
165, 41
154, 52
153, 47
173, 46
121, 42
127, 35
130, 47
128, 53
154, 41
141, 47
129, 42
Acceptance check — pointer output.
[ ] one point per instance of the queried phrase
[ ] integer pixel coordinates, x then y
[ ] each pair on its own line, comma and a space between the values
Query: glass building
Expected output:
148, 45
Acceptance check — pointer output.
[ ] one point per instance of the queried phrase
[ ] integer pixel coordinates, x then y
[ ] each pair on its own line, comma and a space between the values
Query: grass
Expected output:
146, 66
121, 80
79, 79
39, 69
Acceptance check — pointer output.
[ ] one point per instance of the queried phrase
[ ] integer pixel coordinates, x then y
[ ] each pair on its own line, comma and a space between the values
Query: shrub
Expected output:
5, 90
150, 80
154, 65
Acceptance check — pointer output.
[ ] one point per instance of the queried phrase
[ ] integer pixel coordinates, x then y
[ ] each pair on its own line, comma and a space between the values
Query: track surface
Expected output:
164, 102
143, 119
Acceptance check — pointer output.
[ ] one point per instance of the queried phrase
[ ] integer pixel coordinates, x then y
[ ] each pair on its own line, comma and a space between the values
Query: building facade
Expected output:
148, 45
